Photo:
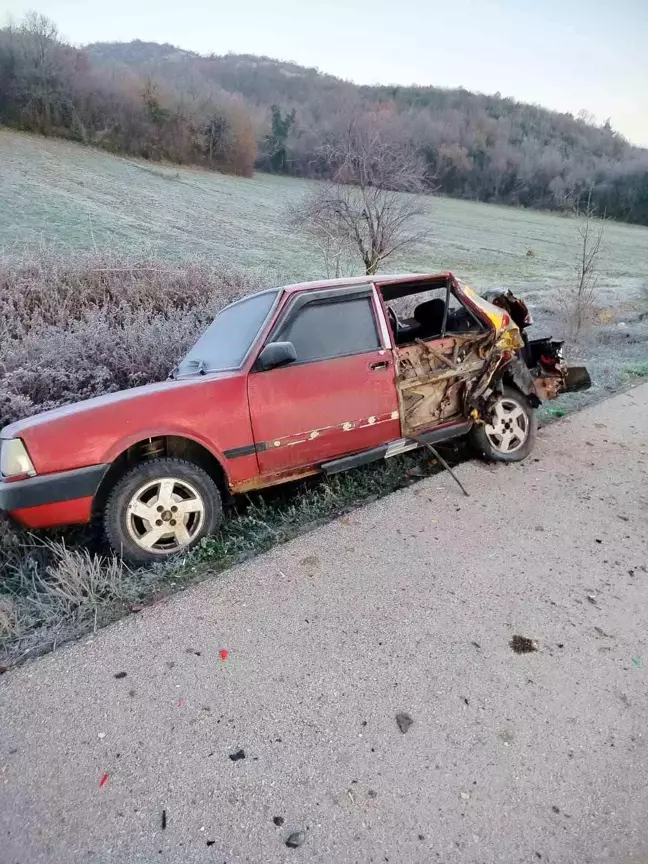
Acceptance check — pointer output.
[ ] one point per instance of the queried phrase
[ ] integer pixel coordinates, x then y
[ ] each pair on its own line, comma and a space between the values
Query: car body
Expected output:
285, 383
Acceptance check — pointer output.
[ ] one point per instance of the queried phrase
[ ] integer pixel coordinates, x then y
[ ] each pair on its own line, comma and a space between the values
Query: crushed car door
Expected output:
433, 372
339, 395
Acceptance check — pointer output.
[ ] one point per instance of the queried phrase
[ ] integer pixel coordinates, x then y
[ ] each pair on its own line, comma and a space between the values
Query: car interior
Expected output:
426, 310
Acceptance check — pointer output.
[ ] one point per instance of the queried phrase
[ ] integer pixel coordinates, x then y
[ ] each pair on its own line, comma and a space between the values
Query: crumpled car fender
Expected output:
518, 373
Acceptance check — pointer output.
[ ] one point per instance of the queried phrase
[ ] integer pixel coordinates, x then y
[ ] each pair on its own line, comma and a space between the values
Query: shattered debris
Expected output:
404, 722
235, 757
297, 838
523, 645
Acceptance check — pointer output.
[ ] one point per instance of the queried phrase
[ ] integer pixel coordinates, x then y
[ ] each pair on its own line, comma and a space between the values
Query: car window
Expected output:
227, 340
331, 328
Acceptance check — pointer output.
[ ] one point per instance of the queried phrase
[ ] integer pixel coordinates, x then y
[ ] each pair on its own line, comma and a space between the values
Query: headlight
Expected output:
14, 459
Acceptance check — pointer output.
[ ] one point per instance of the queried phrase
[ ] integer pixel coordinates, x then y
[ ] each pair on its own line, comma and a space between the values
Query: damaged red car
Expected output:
289, 382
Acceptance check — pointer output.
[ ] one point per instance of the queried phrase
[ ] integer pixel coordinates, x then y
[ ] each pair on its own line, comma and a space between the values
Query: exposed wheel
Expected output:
159, 508
511, 434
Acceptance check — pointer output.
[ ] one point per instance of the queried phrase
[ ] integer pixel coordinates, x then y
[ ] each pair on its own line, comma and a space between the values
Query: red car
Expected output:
317, 377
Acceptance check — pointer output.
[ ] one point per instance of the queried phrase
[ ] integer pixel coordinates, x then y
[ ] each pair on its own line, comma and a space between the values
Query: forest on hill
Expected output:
235, 113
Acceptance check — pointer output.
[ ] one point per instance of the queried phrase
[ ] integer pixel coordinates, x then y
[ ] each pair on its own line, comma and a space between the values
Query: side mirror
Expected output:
276, 354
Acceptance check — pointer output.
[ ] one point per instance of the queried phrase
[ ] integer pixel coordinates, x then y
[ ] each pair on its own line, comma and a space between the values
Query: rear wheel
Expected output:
511, 432
159, 508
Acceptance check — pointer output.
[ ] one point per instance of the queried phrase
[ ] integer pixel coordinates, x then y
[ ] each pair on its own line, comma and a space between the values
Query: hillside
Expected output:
237, 112
481, 147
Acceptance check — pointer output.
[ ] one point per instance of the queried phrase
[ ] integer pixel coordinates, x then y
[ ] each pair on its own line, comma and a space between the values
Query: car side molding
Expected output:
395, 448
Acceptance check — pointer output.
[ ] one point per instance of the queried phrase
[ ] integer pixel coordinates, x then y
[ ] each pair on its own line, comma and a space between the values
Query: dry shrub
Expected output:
76, 330
51, 590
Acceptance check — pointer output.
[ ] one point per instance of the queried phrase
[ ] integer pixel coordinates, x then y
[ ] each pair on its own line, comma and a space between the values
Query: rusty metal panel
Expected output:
432, 378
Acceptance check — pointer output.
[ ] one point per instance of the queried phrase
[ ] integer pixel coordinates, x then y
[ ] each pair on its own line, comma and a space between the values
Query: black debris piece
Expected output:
278, 820
120, 674
404, 722
164, 820
523, 645
240, 754
296, 839
210, 842
555, 809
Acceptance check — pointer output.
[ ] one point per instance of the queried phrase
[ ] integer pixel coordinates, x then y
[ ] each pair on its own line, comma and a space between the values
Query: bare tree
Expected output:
372, 204
580, 298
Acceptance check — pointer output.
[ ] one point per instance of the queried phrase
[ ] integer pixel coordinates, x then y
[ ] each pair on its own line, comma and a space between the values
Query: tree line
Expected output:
51, 88
237, 112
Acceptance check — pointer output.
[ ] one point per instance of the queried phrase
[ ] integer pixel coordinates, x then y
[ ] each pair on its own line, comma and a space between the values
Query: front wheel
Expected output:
511, 433
159, 508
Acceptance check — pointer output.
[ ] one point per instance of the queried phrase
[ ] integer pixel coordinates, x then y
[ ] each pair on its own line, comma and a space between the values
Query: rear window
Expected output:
226, 342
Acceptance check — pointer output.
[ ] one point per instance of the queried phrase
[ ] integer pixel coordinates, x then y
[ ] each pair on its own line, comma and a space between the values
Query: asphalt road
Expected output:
407, 605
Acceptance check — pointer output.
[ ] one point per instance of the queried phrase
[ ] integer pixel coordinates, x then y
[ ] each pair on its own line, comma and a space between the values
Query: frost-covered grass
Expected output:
69, 198
78, 317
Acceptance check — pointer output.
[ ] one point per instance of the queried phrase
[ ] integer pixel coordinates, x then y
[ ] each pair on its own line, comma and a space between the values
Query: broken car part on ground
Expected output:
290, 382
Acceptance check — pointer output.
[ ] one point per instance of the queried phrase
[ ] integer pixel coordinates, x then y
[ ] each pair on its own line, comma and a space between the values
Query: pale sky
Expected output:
564, 54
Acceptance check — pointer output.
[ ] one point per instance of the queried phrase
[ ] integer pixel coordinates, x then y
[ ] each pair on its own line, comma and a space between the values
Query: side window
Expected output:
331, 328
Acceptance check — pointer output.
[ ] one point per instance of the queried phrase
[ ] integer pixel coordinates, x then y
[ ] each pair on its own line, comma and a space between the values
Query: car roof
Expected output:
383, 279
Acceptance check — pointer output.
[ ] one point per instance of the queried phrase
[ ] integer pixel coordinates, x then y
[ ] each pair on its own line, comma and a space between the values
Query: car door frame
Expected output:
291, 304
431, 373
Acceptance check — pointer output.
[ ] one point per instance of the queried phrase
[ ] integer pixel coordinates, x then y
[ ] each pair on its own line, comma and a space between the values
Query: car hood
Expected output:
108, 401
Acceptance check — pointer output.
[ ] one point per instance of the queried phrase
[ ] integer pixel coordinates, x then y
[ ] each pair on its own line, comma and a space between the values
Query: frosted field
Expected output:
61, 197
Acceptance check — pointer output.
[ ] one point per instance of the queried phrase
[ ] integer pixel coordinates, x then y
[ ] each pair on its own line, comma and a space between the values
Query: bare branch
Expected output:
374, 199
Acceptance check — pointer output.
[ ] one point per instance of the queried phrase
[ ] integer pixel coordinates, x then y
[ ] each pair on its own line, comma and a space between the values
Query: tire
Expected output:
514, 425
141, 532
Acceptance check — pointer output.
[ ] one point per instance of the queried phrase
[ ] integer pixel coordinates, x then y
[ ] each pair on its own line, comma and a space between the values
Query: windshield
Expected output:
228, 339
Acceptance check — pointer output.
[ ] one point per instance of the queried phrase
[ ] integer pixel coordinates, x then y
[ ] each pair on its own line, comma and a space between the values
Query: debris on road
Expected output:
523, 645
297, 838
278, 821
592, 599
235, 757
120, 674
404, 722
637, 662
164, 820
465, 796
224, 654
310, 561
103, 781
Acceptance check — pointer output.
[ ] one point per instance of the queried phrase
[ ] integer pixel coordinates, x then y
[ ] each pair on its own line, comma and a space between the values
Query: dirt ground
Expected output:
265, 703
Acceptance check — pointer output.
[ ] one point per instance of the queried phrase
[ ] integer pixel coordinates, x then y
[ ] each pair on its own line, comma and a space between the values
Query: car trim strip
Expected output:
246, 450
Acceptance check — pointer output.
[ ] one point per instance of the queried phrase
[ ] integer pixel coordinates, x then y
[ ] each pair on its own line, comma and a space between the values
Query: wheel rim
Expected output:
509, 426
165, 515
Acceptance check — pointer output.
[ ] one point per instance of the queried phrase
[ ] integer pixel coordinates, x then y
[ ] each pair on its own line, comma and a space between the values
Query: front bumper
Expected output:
51, 488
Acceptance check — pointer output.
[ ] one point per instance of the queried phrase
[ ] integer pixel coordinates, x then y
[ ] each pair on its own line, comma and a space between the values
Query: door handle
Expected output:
380, 364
